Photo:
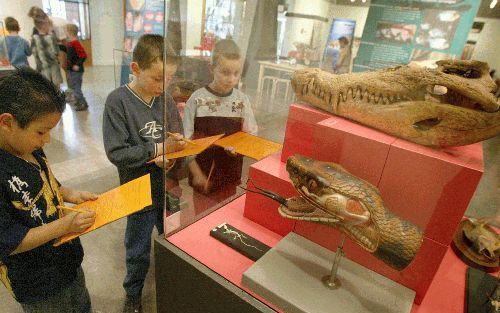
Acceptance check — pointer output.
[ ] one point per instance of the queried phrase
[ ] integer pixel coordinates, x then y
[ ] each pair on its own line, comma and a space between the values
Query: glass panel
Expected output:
4, 55
262, 89
121, 64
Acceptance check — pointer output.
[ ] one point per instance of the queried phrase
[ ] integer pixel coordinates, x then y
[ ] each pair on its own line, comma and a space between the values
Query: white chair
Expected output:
268, 83
285, 82
272, 85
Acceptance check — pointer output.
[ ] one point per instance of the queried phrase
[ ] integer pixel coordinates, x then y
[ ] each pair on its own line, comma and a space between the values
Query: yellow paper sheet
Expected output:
194, 149
248, 145
115, 204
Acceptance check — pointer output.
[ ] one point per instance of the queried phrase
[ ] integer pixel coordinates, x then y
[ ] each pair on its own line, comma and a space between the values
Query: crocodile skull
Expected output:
332, 196
452, 105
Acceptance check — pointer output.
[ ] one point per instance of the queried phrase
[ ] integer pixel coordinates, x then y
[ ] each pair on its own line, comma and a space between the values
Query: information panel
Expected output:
141, 17
399, 31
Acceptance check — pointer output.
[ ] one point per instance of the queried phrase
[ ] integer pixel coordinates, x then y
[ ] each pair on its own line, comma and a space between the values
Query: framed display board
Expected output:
398, 31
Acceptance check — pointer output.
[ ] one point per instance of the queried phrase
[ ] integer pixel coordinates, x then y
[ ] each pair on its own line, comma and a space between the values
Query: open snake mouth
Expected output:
307, 208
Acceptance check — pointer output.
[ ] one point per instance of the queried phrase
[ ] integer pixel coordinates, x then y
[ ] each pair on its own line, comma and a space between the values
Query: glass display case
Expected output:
4, 55
231, 225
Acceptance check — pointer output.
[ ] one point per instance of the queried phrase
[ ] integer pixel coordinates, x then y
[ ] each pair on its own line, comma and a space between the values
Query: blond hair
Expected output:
72, 29
226, 48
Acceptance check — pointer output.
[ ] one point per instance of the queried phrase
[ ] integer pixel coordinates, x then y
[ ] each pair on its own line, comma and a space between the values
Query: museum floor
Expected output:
77, 157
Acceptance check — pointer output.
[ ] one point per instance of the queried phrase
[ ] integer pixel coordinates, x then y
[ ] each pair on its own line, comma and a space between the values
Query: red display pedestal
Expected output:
428, 187
445, 294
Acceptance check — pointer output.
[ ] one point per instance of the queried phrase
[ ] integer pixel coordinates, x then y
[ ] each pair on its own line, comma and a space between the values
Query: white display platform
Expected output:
289, 275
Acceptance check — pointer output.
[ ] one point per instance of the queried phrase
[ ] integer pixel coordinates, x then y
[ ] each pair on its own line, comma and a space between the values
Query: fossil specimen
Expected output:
452, 105
482, 238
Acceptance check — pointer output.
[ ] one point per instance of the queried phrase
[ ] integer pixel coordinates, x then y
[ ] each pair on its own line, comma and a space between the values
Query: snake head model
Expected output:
452, 105
332, 196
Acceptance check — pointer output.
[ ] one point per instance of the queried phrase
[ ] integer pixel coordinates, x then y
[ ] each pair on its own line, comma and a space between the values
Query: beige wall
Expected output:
487, 49
107, 28
192, 32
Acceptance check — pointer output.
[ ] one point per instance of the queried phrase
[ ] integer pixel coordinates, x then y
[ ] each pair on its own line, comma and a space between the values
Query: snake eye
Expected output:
311, 184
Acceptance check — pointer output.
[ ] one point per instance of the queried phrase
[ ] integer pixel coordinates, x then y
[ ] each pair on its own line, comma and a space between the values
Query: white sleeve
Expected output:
189, 116
249, 123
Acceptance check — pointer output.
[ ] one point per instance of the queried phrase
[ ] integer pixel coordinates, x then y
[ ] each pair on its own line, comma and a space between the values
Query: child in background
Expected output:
18, 48
134, 133
45, 50
75, 57
344, 61
43, 278
215, 109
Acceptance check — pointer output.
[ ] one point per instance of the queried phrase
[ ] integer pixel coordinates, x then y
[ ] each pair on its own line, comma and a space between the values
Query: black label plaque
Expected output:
239, 241
481, 291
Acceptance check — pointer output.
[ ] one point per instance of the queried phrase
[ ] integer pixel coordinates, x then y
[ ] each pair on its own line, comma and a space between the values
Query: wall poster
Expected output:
340, 28
141, 17
399, 31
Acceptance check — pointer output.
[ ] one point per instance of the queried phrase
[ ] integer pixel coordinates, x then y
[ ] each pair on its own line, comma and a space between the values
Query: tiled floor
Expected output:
78, 160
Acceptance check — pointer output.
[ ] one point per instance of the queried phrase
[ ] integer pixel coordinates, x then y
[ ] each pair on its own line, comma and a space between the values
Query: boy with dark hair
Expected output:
18, 48
215, 109
43, 278
134, 133
75, 57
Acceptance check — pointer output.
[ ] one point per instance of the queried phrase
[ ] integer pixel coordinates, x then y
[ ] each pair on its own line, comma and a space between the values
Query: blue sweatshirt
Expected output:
18, 49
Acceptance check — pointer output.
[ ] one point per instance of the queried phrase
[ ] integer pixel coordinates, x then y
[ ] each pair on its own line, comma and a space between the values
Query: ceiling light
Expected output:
492, 4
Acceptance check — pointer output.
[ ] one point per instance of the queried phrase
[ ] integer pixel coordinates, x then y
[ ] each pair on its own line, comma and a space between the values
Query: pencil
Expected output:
62, 207
183, 139
209, 174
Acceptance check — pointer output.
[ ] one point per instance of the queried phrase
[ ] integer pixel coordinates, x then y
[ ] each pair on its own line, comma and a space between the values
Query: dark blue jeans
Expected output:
75, 83
72, 299
138, 246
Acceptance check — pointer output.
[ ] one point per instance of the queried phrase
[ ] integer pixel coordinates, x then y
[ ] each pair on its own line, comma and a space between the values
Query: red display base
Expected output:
445, 294
428, 187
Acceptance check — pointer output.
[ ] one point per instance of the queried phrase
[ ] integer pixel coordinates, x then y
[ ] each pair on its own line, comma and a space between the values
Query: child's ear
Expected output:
134, 67
7, 120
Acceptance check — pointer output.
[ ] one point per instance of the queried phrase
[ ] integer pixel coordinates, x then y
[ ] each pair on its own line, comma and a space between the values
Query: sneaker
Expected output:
132, 305
70, 97
82, 106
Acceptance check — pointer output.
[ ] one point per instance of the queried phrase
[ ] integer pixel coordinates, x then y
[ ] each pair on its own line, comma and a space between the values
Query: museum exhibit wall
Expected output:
487, 43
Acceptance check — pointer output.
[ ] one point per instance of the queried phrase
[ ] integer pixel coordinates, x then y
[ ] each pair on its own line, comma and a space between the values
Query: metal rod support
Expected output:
331, 281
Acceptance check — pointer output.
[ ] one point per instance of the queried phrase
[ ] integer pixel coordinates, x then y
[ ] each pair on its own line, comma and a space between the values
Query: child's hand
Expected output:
167, 165
175, 142
231, 151
82, 196
78, 222
200, 183
75, 68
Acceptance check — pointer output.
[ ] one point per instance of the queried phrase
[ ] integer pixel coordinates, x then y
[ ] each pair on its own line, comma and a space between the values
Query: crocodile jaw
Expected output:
429, 107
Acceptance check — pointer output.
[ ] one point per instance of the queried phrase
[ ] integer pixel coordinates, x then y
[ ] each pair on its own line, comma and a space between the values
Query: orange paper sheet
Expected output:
115, 204
248, 145
194, 149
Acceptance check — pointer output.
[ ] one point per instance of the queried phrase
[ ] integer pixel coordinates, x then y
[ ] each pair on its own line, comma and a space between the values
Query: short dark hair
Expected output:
150, 48
344, 40
11, 24
226, 48
27, 95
